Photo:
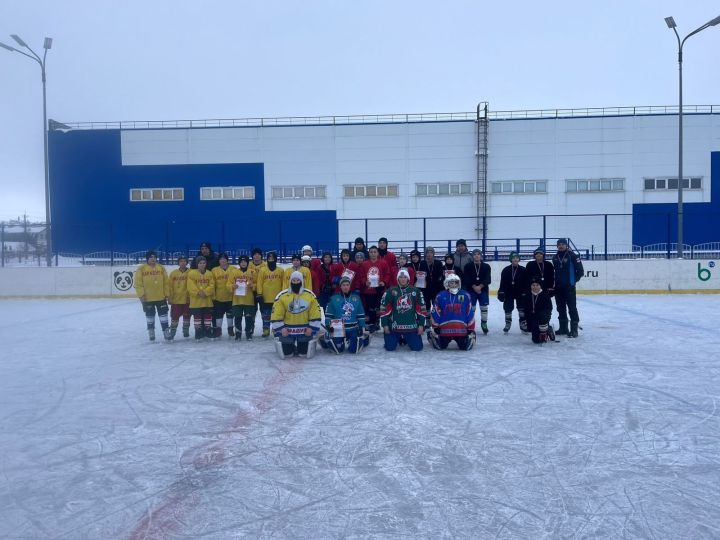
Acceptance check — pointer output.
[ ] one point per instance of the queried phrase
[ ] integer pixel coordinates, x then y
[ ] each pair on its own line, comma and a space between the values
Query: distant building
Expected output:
296, 181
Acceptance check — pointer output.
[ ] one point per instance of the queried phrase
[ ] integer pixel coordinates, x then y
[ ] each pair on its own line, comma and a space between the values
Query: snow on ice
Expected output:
615, 434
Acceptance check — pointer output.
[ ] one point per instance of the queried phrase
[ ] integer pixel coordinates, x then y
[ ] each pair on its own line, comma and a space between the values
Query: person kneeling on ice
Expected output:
453, 317
295, 319
538, 310
403, 314
345, 321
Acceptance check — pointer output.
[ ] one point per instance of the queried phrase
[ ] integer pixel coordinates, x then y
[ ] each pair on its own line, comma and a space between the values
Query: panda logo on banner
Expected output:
123, 281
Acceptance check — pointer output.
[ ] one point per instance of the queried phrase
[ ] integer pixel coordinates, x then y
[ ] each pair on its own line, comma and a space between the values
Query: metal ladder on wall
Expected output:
481, 159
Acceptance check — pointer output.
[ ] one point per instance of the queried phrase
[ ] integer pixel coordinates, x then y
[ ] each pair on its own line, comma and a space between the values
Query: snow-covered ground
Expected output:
615, 434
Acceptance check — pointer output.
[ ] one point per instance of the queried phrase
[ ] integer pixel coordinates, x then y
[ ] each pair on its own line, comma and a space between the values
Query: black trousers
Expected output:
566, 300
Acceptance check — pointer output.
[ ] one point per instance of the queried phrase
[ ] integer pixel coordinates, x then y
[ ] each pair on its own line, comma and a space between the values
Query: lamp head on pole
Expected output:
8, 47
48, 43
715, 21
18, 40
670, 22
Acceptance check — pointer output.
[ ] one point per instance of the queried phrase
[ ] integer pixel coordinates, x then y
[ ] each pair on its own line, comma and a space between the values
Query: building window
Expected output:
227, 193
594, 185
157, 194
668, 182
519, 186
299, 192
443, 188
370, 190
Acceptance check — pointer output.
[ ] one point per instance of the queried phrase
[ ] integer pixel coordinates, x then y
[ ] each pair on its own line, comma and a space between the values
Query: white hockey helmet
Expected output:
403, 273
307, 248
449, 279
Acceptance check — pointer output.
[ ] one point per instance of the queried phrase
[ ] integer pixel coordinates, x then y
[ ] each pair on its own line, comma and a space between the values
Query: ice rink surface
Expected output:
612, 435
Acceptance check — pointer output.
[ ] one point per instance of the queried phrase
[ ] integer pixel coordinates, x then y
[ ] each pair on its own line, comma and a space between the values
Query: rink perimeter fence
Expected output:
596, 237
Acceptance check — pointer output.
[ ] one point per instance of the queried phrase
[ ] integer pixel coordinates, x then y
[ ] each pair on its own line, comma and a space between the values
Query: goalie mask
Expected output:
452, 283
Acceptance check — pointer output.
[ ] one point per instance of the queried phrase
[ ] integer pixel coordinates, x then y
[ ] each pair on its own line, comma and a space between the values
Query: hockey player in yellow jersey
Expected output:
179, 298
297, 266
201, 288
295, 319
256, 264
153, 289
241, 286
223, 298
268, 286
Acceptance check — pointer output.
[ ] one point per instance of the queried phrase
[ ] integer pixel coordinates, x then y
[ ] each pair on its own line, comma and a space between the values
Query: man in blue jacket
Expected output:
345, 321
568, 271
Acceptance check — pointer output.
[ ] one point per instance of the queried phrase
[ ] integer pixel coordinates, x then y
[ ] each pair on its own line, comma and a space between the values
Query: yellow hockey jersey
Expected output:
255, 271
221, 284
307, 277
270, 283
178, 287
151, 282
296, 312
244, 278
200, 282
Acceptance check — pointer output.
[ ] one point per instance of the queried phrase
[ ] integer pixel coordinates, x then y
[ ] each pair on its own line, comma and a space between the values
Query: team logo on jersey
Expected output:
348, 310
298, 306
404, 303
123, 281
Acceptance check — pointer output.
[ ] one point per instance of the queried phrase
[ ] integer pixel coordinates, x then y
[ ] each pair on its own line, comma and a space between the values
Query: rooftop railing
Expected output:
393, 118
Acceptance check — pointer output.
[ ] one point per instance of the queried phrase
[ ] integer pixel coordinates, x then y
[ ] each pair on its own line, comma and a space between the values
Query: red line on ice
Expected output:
165, 518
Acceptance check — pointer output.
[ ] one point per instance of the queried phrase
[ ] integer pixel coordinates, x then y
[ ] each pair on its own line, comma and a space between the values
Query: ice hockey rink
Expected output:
615, 434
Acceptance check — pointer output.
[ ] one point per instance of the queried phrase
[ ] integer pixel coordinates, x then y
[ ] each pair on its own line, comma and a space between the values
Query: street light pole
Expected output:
47, 45
680, 224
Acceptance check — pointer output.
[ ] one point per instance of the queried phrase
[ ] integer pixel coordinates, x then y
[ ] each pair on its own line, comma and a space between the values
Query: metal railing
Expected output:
391, 118
495, 250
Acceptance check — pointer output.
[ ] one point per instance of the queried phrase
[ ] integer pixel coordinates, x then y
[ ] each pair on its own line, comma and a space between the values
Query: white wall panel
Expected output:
631, 147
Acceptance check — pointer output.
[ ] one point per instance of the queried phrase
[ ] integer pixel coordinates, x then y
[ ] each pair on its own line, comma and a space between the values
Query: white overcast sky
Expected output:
163, 60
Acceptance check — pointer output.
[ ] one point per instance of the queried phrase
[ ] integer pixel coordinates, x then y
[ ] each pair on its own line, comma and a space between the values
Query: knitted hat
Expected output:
345, 278
461, 242
562, 241
403, 273
514, 255
150, 253
539, 250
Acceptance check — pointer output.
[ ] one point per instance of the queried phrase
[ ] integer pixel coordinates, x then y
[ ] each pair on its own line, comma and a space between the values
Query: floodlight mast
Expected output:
670, 21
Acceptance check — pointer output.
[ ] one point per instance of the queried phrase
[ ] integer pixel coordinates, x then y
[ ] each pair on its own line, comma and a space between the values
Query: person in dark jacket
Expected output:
476, 279
568, 271
512, 290
450, 267
541, 269
462, 256
538, 310
210, 256
359, 246
433, 277
415, 260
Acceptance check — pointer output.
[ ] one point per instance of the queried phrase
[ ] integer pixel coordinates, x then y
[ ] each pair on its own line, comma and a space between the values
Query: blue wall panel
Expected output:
657, 223
91, 208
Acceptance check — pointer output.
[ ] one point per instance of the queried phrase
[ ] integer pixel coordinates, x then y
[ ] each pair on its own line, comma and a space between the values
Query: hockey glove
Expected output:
501, 296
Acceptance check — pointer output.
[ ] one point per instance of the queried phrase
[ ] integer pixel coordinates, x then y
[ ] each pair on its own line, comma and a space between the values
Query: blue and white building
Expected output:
595, 175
